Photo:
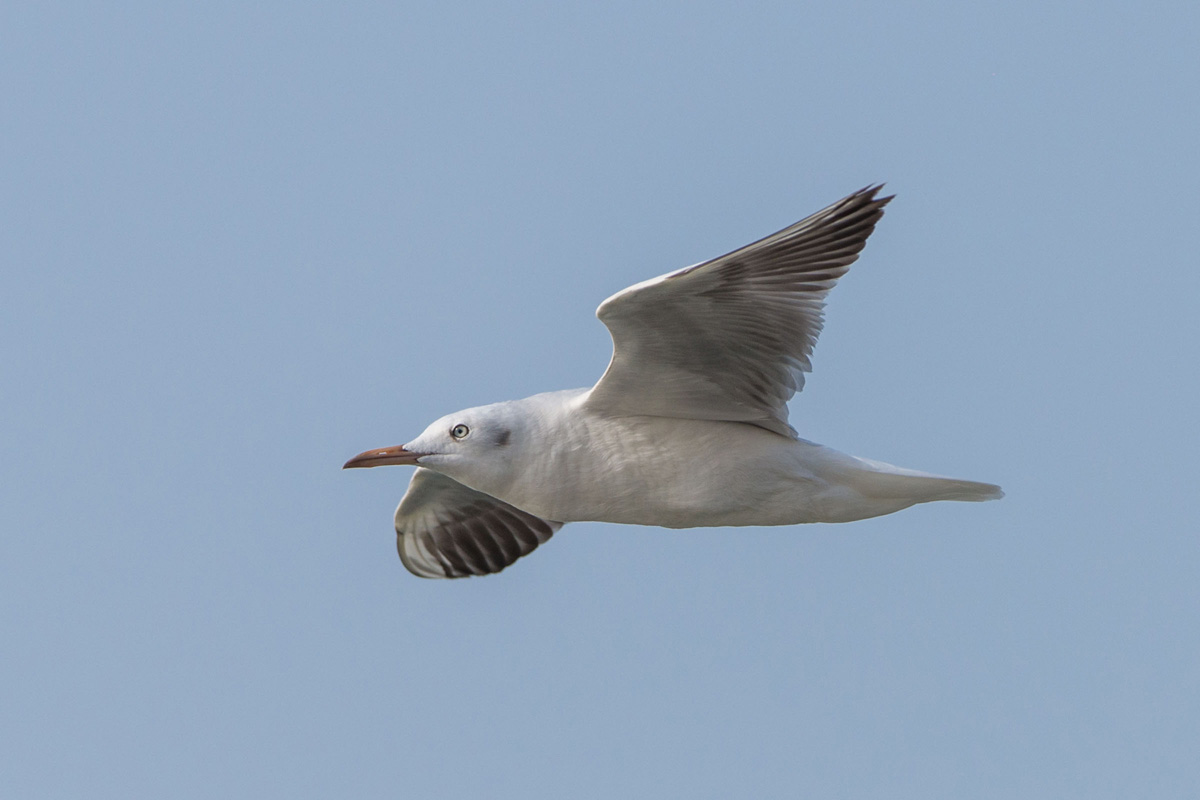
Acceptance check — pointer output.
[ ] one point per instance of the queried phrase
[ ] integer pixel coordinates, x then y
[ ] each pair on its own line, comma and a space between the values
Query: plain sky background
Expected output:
243, 242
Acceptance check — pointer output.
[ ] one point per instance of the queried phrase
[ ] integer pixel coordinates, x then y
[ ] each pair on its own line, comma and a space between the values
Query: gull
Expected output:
688, 426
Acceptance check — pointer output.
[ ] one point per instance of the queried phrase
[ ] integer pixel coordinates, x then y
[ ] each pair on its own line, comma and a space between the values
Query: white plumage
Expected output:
687, 427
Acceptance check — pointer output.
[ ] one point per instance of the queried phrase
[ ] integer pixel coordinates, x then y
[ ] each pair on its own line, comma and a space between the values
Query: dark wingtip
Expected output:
869, 192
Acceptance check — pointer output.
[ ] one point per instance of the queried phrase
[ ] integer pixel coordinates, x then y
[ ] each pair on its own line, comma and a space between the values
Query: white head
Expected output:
476, 447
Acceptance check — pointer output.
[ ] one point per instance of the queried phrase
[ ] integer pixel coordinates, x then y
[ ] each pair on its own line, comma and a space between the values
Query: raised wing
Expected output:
446, 530
731, 338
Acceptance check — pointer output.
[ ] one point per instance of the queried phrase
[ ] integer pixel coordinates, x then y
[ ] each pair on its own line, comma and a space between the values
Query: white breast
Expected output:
677, 473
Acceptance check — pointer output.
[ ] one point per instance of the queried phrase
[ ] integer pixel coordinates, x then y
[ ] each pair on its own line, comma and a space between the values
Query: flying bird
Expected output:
688, 426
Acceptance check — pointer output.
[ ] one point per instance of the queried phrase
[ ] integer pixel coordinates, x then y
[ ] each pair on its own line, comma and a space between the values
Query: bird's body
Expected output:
566, 463
687, 427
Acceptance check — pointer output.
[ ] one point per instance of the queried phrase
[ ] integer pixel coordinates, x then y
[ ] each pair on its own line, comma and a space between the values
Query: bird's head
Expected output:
474, 446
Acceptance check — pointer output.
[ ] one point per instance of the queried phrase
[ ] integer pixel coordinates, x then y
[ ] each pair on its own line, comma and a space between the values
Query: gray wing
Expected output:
446, 530
731, 338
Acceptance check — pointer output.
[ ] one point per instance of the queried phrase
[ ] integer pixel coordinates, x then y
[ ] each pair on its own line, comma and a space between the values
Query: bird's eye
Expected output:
460, 431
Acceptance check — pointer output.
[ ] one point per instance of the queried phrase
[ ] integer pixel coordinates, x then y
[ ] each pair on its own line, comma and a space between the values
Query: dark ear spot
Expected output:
503, 437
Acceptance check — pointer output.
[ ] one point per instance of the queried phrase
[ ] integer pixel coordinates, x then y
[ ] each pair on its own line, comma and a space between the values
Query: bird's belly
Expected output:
675, 474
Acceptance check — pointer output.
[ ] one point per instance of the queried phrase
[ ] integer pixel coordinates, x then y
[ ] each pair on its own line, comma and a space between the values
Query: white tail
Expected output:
888, 482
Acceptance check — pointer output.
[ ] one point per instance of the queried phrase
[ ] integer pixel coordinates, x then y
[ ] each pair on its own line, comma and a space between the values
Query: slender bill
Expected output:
383, 456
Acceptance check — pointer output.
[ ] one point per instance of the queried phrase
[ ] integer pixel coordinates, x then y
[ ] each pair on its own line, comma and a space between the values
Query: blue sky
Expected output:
242, 244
